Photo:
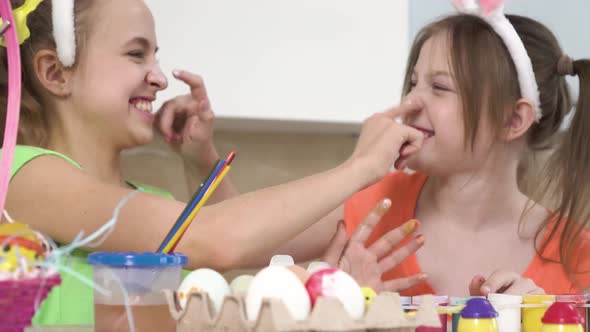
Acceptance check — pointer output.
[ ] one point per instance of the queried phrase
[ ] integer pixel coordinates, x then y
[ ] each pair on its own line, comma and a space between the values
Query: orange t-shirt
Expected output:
404, 189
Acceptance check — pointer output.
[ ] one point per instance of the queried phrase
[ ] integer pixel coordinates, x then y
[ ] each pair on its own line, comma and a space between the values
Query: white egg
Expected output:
279, 283
204, 280
240, 284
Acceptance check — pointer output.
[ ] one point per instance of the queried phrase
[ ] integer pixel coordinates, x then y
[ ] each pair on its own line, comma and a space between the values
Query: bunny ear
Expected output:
489, 6
63, 31
466, 6
493, 13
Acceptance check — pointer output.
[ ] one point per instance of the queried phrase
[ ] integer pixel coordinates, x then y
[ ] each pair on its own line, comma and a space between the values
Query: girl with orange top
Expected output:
481, 113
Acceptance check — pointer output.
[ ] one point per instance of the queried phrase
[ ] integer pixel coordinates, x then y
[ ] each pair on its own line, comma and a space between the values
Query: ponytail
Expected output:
568, 172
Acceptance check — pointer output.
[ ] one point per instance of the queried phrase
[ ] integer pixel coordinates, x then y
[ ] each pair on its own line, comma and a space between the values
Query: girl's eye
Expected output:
440, 87
136, 54
412, 85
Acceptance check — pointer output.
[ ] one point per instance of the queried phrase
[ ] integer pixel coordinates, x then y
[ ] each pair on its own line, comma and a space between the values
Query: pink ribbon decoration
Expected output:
14, 96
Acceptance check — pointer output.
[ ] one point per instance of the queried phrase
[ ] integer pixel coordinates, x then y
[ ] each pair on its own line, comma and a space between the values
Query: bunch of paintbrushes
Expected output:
199, 199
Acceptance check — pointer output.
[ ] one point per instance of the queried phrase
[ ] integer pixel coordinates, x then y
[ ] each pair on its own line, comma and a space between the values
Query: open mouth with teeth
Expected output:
143, 105
427, 132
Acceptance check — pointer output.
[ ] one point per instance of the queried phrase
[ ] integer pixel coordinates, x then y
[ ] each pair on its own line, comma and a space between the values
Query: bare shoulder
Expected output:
60, 200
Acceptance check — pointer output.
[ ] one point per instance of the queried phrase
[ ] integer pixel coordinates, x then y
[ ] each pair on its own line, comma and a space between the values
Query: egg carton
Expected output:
384, 314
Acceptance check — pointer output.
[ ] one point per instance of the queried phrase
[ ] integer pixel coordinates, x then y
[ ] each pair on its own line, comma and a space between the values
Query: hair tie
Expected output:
565, 66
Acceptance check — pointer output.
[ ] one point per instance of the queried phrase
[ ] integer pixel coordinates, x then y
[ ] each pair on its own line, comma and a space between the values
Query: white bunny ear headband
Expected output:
64, 31
492, 11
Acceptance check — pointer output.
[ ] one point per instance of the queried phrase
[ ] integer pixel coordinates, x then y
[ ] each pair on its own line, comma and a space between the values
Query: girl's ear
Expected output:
522, 117
51, 74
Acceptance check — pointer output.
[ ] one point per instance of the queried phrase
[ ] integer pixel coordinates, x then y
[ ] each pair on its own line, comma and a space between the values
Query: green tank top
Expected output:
71, 303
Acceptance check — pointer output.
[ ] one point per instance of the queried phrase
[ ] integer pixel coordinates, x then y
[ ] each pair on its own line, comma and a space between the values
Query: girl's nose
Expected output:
156, 78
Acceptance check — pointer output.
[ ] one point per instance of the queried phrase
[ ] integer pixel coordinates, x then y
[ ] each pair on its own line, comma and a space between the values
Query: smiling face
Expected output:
441, 120
117, 75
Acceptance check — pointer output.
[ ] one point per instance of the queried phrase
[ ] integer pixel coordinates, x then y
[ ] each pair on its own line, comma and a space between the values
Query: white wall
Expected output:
314, 65
334, 61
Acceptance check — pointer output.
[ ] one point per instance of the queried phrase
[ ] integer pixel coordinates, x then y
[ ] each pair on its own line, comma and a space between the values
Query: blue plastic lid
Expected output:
133, 259
478, 308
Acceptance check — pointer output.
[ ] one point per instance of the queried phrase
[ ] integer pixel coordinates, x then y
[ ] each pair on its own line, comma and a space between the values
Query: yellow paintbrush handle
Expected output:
176, 237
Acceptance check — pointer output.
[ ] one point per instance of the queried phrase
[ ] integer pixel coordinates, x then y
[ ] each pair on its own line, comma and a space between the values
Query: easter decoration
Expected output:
24, 280
286, 297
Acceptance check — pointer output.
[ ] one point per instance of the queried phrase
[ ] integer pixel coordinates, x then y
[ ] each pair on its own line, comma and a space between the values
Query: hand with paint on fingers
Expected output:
503, 281
186, 122
367, 264
384, 142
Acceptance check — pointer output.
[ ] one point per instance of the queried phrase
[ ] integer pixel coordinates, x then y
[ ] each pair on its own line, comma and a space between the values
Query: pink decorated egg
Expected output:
339, 284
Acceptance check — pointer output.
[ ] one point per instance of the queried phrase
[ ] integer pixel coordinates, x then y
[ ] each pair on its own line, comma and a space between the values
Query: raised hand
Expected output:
367, 264
186, 122
384, 142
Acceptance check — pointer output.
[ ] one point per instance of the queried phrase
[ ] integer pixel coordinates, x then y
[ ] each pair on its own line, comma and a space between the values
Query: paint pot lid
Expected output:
406, 300
134, 259
572, 298
478, 308
504, 299
441, 300
281, 260
457, 300
562, 313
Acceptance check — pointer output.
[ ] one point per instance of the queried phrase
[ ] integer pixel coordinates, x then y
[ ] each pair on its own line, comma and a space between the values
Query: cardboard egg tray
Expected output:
384, 314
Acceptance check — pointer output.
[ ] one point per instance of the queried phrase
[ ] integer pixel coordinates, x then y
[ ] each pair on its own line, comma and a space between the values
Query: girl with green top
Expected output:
79, 114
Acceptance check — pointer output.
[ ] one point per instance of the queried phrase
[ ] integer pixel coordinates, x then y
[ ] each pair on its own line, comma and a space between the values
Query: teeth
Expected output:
144, 106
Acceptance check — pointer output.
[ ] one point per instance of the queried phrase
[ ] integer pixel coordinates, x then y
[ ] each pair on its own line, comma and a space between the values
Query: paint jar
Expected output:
508, 308
562, 317
531, 317
406, 302
460, 303
478, 316
578, 300
135, 282
441, 300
